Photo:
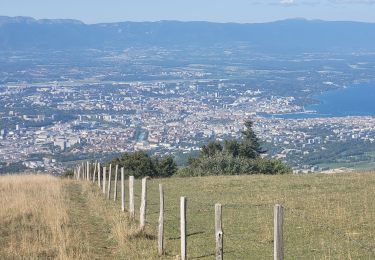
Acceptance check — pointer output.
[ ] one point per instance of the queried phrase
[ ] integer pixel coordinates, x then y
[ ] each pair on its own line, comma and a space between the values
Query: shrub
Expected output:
140, 164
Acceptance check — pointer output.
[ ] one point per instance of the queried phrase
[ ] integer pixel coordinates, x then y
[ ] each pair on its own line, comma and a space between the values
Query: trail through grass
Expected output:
94, 233
326, 217
44, 217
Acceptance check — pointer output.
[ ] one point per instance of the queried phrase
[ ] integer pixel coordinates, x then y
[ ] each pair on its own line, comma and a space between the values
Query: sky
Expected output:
241, 11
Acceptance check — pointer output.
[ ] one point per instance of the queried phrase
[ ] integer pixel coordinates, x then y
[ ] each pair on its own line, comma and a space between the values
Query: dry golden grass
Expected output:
44, 217
33, 217
37, 219
326, 217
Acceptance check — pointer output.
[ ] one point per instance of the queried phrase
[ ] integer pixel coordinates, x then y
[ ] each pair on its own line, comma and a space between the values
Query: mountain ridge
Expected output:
291, 35
48, 20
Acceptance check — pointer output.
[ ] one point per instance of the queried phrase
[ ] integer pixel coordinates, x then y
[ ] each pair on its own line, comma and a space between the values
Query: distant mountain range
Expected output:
296, 35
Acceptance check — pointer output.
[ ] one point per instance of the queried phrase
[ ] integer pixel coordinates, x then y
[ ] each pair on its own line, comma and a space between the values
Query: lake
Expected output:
353, 101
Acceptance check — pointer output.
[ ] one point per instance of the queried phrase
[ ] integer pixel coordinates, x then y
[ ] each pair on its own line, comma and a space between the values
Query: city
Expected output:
50, 124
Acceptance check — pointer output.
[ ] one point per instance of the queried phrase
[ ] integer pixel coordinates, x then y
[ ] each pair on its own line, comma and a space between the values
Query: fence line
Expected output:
87, 171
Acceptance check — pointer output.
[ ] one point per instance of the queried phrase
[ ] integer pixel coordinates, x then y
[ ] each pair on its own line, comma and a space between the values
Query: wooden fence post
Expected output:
97, 170
278, 249
122, 189
183, 228
219, 233
83, 171
142, 210
94, 173
161, 222
104, 178
115, 187
99, 175
88, 170
109, 182
131, 197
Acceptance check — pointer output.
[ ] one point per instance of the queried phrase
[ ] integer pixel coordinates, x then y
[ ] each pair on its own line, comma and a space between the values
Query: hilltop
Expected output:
326, 216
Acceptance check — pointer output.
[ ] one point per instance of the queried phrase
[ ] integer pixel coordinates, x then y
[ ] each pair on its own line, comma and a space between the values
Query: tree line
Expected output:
231, 157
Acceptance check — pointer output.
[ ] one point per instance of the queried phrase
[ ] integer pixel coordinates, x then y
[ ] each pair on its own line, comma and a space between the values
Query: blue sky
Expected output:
243, 11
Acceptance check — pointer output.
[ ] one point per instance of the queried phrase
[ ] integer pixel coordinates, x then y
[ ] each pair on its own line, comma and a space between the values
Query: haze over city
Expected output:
241, 11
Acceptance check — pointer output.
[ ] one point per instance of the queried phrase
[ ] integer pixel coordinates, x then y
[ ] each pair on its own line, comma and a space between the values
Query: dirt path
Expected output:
94, 233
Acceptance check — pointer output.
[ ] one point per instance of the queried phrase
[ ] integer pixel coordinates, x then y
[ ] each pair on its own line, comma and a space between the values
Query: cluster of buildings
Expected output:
44, 123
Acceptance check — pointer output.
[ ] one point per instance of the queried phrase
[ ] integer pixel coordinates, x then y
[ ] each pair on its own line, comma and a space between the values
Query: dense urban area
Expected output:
64, 107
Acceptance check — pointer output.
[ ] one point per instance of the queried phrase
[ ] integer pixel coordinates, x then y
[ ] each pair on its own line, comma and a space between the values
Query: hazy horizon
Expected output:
187, 21
222, 11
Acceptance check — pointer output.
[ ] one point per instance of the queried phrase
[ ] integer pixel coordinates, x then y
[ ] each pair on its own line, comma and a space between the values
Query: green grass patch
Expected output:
326, 216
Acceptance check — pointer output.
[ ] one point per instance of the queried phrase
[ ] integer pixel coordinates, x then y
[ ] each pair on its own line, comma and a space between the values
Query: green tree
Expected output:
211, 149
167, 167
236, 157
232, 147
250, 146
139, 164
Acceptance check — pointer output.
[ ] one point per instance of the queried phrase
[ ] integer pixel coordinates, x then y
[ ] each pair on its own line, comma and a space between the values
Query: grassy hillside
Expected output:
326, 217
44, 217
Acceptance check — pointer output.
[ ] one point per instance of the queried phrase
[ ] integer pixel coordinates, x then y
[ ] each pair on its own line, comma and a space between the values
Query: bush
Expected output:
225, 164
140, 164
236, 157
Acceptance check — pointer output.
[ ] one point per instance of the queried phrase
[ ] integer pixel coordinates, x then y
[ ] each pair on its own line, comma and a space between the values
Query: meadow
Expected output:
326, 217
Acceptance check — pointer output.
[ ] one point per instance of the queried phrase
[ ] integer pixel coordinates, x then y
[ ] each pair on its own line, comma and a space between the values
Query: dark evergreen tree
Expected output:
167, 167
250, 146
232, 147
211, 149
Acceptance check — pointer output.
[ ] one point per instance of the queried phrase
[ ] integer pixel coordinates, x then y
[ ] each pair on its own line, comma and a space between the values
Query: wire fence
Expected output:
248, 229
